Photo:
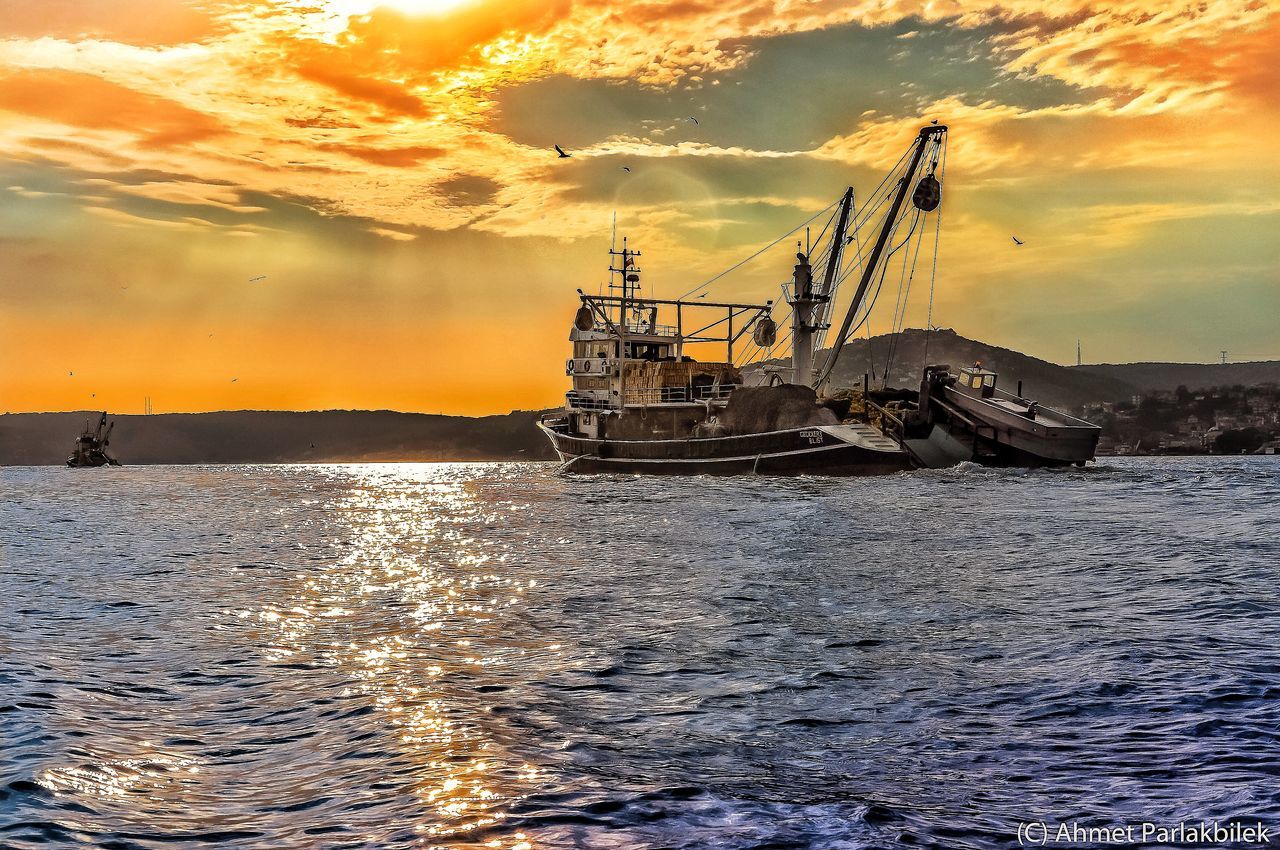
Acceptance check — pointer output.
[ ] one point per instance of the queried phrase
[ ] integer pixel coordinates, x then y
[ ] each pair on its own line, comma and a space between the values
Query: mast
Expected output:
809, 303
837, 244
904, 185
802, 304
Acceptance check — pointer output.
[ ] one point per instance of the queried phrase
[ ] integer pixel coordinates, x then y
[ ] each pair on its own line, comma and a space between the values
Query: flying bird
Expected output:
703, 295
626, 168
71, 374
258, 278
560, 151
233, 380
695, 120
1018, 241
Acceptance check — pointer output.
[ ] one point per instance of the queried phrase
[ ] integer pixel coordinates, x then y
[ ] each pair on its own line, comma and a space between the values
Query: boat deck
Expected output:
862, 434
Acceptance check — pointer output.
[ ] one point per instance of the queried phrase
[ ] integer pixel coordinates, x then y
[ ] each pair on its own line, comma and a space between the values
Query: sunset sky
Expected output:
388, 167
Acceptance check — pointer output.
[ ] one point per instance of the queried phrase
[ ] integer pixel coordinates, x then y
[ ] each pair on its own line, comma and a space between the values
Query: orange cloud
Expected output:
391, 157
425, 43
143, 22
391, 120
332, 67
83, 100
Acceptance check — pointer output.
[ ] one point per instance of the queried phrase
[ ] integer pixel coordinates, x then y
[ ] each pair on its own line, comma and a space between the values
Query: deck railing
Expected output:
582, 402
645, 329
677, 395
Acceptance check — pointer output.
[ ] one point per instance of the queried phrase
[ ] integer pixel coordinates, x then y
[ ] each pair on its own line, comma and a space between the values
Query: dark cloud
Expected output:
469, 190
797, 90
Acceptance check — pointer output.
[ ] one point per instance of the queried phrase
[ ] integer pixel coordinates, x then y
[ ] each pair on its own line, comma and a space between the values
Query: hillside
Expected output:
278, 437
1048, 382
1167, 377
1058, 386
381, 435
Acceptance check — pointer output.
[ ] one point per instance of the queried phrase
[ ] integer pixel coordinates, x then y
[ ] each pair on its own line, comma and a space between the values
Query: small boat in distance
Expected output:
91, 445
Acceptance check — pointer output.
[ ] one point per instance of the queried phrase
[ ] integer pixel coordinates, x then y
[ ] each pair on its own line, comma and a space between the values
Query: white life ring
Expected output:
568, 366
586, 365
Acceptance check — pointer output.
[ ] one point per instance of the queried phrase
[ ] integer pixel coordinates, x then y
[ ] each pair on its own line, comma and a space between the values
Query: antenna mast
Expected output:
809, 303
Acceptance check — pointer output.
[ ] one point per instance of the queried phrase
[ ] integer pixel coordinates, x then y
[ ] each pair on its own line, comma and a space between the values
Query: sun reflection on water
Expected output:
408, 613
118, 776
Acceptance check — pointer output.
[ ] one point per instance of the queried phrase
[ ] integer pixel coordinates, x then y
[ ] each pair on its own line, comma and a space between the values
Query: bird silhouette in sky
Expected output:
703, 295
233, 380
1018, 241
71, 374
626, 168
258, 278
560, 151
695, 120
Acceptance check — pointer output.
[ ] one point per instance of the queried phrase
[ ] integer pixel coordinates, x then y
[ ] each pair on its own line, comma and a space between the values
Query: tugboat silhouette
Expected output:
91, 445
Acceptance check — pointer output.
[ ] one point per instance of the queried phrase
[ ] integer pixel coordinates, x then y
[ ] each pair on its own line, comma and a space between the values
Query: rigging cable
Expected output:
933, 279
884, 268
906, 294
757, 253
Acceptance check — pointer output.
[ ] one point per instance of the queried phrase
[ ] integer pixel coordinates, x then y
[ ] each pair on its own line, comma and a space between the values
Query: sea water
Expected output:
490, 655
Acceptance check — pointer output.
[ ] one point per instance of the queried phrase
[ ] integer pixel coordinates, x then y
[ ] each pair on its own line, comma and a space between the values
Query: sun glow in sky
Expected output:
347, 8
387, 166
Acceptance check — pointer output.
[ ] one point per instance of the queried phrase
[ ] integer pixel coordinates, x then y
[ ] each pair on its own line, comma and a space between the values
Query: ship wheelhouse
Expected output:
631, 375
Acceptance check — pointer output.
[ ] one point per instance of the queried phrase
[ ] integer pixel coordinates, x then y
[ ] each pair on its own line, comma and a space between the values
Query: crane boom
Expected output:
877, 252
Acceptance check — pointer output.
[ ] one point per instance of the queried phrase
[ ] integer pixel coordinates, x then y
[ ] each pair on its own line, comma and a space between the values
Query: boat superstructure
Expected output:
641, 403
632, 378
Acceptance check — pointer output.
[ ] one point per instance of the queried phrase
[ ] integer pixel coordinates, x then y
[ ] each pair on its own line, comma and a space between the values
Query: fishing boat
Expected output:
640, 402
91, 445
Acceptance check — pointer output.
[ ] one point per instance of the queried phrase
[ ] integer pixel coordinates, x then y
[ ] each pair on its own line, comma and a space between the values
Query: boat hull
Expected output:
843, 450
1009, 439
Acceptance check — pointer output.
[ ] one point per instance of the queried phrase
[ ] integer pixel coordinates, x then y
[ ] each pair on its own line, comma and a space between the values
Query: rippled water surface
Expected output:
489, 655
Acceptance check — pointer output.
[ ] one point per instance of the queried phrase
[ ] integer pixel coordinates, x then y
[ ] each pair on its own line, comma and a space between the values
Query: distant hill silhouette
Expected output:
1058, 386
1167, 377
1054, 385
251, 436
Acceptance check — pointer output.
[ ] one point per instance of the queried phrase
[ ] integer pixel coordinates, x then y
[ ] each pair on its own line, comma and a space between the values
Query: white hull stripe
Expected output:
887, 455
